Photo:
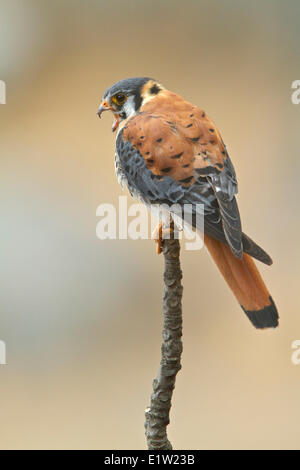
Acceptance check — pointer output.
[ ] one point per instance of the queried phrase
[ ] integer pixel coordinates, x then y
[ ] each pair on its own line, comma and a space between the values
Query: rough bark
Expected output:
158, 414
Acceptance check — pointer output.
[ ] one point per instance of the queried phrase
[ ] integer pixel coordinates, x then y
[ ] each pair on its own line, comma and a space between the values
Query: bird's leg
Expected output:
160, 233
157, 237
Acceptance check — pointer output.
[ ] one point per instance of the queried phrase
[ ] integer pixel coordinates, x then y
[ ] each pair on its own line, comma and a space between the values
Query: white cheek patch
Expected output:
129, 107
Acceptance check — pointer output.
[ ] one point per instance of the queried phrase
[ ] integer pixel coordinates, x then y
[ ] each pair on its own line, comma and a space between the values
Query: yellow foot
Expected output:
159, 234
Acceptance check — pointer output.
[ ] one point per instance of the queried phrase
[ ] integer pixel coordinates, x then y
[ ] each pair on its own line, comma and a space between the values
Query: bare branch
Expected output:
158, 415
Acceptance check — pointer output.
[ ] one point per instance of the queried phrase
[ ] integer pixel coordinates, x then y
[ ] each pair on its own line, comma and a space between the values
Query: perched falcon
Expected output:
168, 151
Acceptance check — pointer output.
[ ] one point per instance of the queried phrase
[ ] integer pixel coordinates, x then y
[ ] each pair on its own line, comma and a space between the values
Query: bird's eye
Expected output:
119, 99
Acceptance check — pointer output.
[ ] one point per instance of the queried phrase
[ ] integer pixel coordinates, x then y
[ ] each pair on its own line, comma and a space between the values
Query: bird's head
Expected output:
126, 97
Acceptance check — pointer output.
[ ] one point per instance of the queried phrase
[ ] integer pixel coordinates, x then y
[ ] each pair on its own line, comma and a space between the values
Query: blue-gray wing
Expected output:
215, 192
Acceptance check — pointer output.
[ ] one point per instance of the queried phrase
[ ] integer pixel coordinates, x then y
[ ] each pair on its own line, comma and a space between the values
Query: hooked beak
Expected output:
104, 106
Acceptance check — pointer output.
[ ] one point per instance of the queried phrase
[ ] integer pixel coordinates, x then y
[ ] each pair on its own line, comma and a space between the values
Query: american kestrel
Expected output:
168, 151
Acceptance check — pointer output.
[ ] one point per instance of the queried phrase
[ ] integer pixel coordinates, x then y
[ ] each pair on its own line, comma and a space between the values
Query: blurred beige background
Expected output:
81, 318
